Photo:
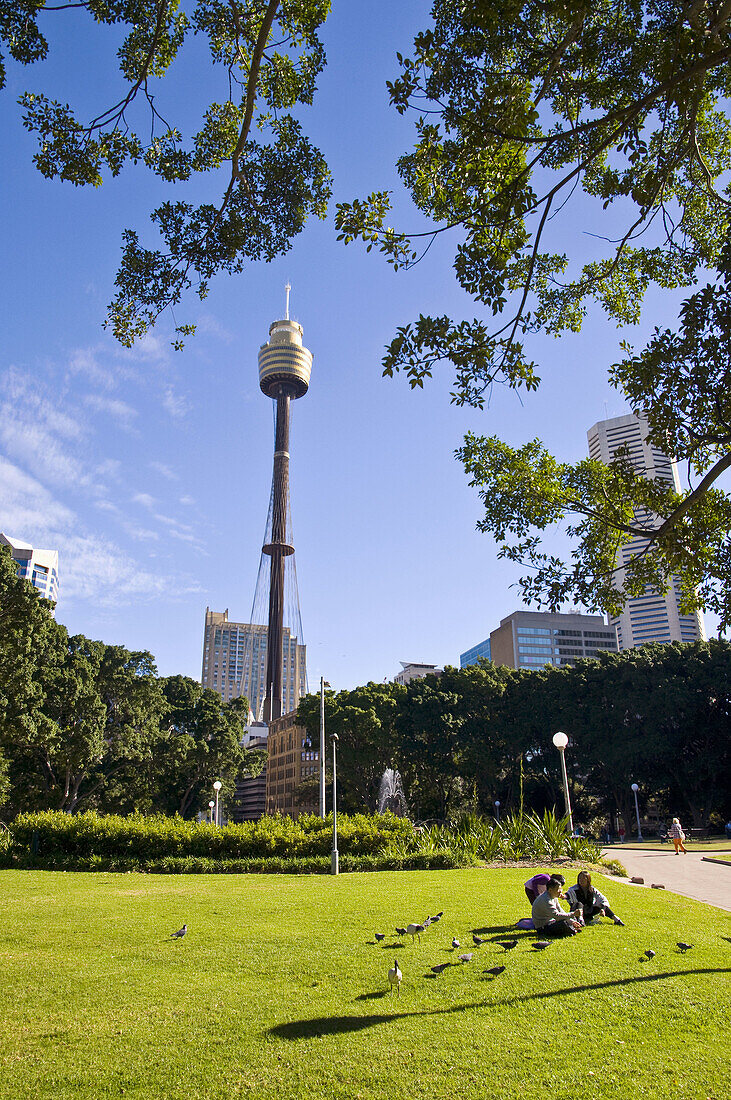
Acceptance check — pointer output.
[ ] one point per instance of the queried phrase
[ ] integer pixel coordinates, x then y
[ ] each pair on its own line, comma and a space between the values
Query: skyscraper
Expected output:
40, 567
652, 617
235, 660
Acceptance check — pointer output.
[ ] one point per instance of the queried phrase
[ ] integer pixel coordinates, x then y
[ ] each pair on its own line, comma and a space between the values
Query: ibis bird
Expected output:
684, 947
439, 968
477, 940
649, 954
467, 957
414, 930
379, 936
541, 945
494, 970
434, 919
455, 943
394, 977
180, 933
508, 945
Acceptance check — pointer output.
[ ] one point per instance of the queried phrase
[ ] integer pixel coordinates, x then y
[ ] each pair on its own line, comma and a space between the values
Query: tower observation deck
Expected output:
284, 375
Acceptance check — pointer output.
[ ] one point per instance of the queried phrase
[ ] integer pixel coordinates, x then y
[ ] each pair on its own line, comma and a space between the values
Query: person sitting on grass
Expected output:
537, 885
548, 916
586, 897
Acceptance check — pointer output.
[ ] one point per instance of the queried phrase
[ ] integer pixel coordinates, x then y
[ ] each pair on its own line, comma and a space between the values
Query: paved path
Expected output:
687, 874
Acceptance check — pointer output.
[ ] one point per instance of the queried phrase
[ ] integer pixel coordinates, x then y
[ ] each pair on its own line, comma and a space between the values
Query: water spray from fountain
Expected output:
391, 797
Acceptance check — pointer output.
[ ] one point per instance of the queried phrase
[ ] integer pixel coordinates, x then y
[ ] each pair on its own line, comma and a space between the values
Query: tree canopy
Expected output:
268, 55
530, 114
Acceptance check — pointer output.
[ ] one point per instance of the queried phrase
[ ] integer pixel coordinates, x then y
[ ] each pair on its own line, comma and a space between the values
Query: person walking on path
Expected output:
676, 832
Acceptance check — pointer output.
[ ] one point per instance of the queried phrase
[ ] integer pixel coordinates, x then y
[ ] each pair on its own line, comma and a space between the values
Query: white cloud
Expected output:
187, 501
93, 568
27, 509
37, 433
120, 411
86, 362
174, 404
163, 470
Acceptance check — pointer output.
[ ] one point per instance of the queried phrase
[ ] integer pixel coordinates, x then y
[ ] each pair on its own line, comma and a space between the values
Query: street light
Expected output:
334, 865
636, 788
323, 684
211, 804
217, 787
497, 810
560, 740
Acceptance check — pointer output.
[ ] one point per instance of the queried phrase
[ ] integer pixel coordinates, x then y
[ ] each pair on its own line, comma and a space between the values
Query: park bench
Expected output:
697, 833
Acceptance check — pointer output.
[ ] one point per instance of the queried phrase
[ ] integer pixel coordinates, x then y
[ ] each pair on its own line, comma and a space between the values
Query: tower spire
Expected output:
286, 312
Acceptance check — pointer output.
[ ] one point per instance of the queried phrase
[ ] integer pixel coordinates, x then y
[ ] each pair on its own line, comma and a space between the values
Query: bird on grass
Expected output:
467, 957
477, 940
439, 968
508, 944
434, 919
400, 931
180, 933
394, 977
414, 930
684, 947
649, 954
494, 970
378, 936
455, 944
541, 945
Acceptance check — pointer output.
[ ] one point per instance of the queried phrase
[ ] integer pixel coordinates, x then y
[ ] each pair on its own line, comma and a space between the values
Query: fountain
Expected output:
391, 795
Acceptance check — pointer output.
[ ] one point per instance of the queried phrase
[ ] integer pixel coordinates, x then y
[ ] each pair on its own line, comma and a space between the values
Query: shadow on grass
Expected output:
340, 1025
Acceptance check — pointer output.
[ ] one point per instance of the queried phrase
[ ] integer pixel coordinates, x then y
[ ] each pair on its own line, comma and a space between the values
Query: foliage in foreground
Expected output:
279, 845
278, 992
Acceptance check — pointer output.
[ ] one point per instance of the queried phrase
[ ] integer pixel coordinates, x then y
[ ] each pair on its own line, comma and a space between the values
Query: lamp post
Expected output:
560, 740
635, 789
322, 747
497, 810
217, 787
334, 864
211, 804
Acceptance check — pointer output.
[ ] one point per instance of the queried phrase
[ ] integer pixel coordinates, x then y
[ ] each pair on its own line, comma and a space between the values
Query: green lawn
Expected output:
278, 991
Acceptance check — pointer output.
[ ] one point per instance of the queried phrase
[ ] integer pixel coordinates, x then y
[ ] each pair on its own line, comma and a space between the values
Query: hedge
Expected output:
91, 841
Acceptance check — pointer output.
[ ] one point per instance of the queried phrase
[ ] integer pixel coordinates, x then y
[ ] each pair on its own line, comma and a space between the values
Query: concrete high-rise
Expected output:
40, 567
654, 616
235, 661
531, 639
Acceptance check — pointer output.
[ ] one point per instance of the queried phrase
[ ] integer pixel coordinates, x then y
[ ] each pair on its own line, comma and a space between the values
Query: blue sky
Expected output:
150, 470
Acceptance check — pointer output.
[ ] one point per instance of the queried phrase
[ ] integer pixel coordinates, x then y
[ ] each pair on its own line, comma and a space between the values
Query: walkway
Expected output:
688, 875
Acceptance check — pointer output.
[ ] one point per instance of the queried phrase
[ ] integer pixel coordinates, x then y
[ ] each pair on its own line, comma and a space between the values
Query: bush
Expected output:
90, 841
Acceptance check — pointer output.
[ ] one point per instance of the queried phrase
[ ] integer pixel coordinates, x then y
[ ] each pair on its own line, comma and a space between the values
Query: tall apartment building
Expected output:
472, 655
235, 661
531, 639
40, 567
652, 617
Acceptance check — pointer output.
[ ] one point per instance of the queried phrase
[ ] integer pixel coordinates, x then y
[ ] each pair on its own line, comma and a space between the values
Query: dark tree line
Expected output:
659, 716
85, 725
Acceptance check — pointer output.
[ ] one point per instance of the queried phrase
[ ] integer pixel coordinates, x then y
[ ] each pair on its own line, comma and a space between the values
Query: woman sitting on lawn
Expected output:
548, 916
539, 884
586, 897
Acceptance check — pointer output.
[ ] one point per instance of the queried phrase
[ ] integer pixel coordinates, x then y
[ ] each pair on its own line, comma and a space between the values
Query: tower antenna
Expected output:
286, 312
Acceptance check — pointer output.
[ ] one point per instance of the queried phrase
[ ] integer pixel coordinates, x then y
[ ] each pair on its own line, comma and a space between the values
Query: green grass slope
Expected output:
278, 991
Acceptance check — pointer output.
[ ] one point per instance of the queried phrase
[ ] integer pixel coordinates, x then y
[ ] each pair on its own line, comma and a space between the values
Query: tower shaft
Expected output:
279, 549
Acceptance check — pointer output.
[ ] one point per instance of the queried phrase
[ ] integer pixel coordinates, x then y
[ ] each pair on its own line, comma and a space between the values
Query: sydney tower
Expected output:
284, 374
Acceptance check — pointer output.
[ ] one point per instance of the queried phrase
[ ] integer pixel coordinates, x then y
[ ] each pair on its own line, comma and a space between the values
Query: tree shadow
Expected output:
339, 1025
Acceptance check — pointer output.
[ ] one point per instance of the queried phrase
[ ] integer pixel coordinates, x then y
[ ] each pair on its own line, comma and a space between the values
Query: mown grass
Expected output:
279, 991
